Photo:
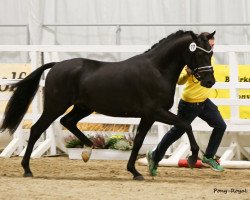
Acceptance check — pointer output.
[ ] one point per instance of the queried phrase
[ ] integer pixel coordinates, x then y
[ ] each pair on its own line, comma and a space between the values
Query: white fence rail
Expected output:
235, 124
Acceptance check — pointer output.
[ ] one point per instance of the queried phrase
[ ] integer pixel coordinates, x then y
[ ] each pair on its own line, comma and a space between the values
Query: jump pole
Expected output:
183, 163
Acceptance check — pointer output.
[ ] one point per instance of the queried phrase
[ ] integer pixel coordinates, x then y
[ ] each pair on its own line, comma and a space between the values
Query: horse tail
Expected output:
23, 95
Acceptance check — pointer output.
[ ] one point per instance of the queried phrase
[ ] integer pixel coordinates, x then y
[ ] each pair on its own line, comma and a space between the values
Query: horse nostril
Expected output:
210, 83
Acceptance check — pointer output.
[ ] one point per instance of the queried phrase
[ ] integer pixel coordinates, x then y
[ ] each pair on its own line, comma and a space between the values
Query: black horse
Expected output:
142, 86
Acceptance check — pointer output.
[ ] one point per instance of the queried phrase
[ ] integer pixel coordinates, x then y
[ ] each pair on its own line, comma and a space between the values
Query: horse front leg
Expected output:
172, 119
142, 130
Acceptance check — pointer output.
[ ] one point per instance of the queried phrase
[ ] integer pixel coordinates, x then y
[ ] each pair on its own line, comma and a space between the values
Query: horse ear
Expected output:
211, 35
194, 36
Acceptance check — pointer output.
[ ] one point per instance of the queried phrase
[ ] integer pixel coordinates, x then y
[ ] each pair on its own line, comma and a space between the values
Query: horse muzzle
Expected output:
208, 83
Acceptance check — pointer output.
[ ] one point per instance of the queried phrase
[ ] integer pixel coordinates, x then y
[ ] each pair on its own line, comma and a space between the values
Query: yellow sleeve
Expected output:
183, 77
213, 61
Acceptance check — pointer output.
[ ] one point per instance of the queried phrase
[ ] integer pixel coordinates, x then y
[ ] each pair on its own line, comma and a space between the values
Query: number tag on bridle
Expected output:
192, 47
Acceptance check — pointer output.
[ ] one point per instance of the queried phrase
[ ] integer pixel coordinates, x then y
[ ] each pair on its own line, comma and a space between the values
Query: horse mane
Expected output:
170, 37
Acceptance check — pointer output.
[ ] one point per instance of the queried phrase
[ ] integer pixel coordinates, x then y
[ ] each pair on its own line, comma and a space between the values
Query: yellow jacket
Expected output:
193, 91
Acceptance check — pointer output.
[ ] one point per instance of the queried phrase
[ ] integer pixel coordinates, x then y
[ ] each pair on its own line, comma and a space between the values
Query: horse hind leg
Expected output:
36, 130
70, 121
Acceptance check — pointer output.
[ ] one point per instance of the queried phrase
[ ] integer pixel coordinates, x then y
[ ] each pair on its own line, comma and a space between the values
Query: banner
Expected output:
222, 75
11, 71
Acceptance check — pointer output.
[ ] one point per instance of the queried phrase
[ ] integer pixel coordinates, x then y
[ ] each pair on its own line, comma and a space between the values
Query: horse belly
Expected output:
115, 108
113, 101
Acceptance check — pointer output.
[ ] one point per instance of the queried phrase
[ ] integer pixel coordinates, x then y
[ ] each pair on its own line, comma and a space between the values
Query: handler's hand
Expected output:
188, 70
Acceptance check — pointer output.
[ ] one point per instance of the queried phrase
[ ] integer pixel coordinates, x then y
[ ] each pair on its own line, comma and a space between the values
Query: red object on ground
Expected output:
184, 163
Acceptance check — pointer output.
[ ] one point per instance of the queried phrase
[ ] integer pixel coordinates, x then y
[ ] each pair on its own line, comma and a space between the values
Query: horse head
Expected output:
198, 59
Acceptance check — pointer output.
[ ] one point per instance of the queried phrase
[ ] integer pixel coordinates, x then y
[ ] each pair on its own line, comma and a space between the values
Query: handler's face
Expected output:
211, 42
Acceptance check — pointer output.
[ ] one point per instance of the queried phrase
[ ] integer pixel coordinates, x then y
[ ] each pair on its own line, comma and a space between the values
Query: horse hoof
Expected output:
86, 153
27, 175
139, 178
191, 162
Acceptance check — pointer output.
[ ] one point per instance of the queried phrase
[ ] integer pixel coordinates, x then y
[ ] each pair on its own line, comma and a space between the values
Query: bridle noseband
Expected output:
196, 72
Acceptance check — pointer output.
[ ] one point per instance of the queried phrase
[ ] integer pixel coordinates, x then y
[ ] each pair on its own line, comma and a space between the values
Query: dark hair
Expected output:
206, 34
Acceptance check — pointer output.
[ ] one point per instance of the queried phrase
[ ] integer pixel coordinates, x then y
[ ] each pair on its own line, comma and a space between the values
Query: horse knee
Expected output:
189, 127
223, 126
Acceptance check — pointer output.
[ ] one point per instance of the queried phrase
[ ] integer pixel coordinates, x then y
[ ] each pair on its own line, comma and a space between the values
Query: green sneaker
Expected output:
212, 163
152, 167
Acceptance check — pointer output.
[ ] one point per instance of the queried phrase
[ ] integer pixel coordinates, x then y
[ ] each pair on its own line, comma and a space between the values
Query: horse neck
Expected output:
168, 58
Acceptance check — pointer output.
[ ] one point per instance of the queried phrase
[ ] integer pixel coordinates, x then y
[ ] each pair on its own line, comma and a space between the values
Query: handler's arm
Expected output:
183, 76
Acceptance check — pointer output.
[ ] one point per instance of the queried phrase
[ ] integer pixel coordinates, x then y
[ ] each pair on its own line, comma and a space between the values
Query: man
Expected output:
194, 103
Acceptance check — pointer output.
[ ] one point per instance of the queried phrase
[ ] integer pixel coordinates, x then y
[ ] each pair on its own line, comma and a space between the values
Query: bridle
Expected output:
204, 49
196, 72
